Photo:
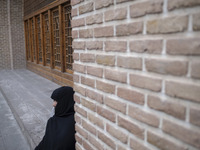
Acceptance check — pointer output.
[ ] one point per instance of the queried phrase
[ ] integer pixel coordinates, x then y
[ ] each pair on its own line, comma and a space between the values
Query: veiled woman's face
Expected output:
54, 103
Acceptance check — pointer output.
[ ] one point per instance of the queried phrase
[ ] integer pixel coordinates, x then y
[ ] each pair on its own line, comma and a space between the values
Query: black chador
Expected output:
60, 129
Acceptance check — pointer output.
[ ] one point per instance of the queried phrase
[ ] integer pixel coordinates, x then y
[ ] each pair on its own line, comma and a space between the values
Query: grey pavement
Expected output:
25, 107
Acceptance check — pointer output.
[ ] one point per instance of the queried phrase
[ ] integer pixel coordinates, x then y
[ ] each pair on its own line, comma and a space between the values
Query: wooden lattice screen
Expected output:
68, 36
49, 38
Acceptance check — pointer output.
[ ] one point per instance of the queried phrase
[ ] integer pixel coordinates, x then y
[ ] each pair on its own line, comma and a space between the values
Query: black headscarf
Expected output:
65, 101
60, 129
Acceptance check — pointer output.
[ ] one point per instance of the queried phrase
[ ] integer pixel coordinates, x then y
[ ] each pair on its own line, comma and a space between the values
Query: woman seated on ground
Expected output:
60, 129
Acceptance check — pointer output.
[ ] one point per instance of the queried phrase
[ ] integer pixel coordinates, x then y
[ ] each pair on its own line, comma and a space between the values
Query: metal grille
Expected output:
39, 39
56, 38
68, 36
33, 39
47, 38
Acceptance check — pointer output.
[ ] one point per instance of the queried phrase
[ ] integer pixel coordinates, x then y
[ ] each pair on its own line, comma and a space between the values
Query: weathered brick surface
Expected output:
162, 143
195, 69
148, 118
174, 109
136, 74
186, 46
129, 62
187, 135
103, 31
195, 116
146, 7
118, 14
167, 25
174, 4
146, 46
187, 91
129, 29
146, 82
164, 66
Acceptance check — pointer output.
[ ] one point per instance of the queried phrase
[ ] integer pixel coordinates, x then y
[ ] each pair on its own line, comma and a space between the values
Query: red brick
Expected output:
79, 68
79, 89
87, 57
117, 14
116, 46
78, 22
95, 143
181, 90
115, 104
77, 119
80, 111
94, 96
90, 105
146, 82
106, 113
94, 45
89, 127
116, 75
131, 127
117, 133
134, 144
75, 2
129, 29
146, 46
107, 140
77, 99
74, 12
86, 33
121, 1
148, 7
88, 81
94, 19
172, 108
107, 31
196, 22
96, 120
81, 131
188, 135
103, 3
195, 116
75, 34
105, 87
95, 71
186, 46
143, 116
78, 139
130, 95
78, 146
174, 4
107, 60
167, 25
165, 66
76, 78
87, 146
76, 56
195, 69
163, 143
78, 45
86, 8
129, 62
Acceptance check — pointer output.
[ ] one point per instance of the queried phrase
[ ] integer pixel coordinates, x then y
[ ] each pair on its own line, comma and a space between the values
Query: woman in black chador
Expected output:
60, 129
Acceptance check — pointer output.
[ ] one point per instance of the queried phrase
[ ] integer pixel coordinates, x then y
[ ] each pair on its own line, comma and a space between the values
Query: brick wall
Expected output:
12, 46
137, 74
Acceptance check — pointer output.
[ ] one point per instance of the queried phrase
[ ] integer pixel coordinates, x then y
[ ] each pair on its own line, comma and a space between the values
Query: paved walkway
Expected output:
25, 106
